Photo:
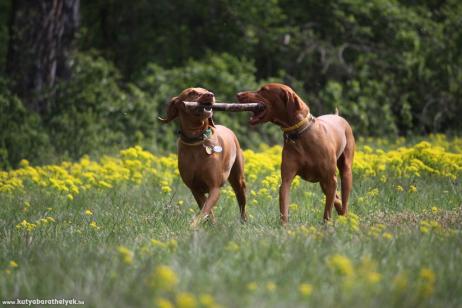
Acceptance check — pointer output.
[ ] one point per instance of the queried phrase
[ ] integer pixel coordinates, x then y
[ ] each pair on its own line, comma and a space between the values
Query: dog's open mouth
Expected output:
257, 115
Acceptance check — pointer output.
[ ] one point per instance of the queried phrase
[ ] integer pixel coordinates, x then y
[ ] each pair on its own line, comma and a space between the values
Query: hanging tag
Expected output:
217, 149
208, 150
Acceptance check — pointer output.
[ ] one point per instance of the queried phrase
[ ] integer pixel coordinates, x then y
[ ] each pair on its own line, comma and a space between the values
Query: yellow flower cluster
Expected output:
340, 265
29, 226
350, 222
134, 165
422, 158
126, 255
427, 281
170, 244
365, 272
164, 280
377, 231
12, 265
434, 227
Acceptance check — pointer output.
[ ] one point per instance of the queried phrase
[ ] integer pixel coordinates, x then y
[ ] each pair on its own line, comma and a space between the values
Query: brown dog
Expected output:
313, 147
208, 155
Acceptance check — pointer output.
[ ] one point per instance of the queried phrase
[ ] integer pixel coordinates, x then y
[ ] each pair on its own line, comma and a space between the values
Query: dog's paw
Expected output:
197, 220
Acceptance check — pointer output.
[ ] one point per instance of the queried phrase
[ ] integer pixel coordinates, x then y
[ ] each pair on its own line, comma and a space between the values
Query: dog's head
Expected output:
280, 101
177, 108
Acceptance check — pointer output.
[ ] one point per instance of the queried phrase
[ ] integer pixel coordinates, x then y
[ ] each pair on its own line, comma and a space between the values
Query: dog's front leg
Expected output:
214, 195
200, 199
287, 176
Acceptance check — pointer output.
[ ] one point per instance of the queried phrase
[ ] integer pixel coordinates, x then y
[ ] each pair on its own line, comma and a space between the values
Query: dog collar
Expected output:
298, 125
206, 134
292, 133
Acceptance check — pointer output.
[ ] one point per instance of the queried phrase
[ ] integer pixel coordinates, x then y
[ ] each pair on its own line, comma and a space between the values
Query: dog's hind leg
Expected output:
237, 181
329, 186
344, 164
338, 204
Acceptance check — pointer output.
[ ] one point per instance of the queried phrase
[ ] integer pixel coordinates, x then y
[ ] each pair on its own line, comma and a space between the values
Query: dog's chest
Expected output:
309, 172
311, 163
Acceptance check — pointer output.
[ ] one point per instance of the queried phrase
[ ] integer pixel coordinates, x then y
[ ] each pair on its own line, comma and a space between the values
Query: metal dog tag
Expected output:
208, 150
217, 149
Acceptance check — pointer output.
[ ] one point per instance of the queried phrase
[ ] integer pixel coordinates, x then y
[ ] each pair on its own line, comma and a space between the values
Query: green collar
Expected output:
206, 134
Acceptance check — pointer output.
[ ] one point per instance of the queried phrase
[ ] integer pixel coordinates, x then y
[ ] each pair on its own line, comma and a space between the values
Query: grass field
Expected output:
115, 233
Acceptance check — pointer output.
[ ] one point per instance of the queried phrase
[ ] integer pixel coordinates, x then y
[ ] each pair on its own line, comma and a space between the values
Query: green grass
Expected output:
70, 259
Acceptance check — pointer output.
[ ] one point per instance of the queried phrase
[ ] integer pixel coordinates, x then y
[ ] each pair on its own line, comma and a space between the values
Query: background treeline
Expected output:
91, 76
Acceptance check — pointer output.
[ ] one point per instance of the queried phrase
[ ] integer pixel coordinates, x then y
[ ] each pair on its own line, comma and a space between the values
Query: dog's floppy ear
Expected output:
293, 102
172, 111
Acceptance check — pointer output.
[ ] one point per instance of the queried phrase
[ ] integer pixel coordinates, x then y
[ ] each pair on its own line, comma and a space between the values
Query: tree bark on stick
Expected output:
230, 107
41, 39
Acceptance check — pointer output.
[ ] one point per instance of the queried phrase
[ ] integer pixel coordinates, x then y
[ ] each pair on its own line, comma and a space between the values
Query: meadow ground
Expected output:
115, 233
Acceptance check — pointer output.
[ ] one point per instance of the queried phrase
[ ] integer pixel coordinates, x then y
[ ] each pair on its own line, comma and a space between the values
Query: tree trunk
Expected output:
41, 38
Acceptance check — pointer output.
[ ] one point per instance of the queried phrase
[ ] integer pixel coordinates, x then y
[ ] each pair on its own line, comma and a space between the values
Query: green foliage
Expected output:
390, 67
4, 10
93, 112
365, 105
21, 132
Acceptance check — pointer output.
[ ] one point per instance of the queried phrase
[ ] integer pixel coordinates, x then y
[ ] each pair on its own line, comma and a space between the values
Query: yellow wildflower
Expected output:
341, 265
293, 206
427, 281
271, 286
88, 212
387, 236
158, 244
125, 254
400, 282
252, 286
163, 278
208, 301
305, 289
373, 277
186, 300
232, 246
163, 303
94, 225
13, 264
172, 244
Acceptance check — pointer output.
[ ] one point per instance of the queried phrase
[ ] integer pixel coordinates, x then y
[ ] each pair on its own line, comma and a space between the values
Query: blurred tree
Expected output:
41, 33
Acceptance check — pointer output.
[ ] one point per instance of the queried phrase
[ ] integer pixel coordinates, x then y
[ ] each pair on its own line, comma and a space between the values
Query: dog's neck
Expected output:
193, 128
292, 119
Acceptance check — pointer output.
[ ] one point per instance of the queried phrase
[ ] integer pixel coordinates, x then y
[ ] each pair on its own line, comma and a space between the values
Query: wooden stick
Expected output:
232, 107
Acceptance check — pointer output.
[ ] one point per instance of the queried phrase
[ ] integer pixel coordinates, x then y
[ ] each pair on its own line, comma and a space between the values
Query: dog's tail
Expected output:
336, 111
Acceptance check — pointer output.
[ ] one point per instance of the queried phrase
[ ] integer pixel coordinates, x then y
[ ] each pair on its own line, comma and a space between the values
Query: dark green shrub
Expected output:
93, 113
21, 132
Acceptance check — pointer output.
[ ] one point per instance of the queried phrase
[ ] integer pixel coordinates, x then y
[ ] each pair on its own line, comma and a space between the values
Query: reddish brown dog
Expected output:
208, 155
313, 147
